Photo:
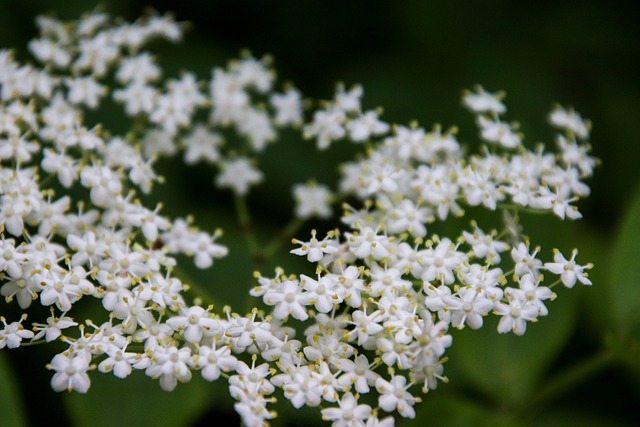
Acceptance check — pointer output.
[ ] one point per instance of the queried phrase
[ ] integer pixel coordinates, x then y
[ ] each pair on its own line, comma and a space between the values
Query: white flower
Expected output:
348, 102
321, 292
170, 365
105, 184
140, 69
515, 315
48, 51
526, 263
17, 148
137, 97
65, 167
569, 271
194, 323
315, 249
118, 361
157, 142
202, 145
366, 242
288, 298
530, 292
405, 215
366, 125
394, 395
312, 200
441, 262
358, 374
498, 132
71, 372
256, 126
238, 175
52, 330
204, 249
484, 245
13, 333
288, 107
349, 414
469, 308
327, 126
570, 121
85, 90
61, 289
482, 101
366, 326
212, 361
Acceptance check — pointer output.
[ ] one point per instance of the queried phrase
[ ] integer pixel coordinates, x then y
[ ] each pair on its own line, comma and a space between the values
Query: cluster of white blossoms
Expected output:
365, 334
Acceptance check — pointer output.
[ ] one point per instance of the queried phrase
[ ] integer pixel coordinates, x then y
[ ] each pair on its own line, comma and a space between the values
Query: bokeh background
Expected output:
581, 365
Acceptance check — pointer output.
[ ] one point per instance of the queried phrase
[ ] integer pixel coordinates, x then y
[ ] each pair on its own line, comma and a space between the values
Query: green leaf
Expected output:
11, 405
508, 368
453, 410
624, 274
577, 418
139, 401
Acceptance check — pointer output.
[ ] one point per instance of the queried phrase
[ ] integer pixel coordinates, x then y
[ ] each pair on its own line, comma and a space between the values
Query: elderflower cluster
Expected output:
362, 334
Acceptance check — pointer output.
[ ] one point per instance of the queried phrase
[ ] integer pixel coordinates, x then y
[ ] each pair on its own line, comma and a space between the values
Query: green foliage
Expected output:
11, 406
510, 369
142, 402
624, 275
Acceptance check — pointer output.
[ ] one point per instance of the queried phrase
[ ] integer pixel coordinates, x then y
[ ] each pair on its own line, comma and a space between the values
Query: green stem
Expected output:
519, 208
567, 380
244, 218
284, 237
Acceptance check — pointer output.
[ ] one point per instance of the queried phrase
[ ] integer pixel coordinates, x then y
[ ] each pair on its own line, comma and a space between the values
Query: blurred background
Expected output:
580, 366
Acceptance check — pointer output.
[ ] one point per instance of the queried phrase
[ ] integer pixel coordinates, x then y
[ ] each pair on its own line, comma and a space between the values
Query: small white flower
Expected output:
288, 298
327, 126
288, 107
515, 315
569, 271
212, 361
71, 372
194, 323
85, 90
118, 361
482, 101
571, 121
170, 365
366, 125
498, 132
394, 395
312, 200
348, 414
238, 175
202, 145
13, 333
52, 330
315, 249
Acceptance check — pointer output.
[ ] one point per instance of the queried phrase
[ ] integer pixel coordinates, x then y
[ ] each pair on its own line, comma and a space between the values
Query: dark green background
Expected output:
413, 58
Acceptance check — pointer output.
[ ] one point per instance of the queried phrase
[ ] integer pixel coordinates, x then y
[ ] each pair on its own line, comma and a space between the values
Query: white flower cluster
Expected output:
375, 317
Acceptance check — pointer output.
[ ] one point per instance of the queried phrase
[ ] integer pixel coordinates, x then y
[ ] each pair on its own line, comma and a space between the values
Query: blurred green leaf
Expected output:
627, 351
624, 274
139, 401
451, 410
11, 406
507, 368
577, 418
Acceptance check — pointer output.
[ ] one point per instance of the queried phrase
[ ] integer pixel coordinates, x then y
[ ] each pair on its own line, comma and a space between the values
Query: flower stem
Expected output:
284, 237
244, 218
